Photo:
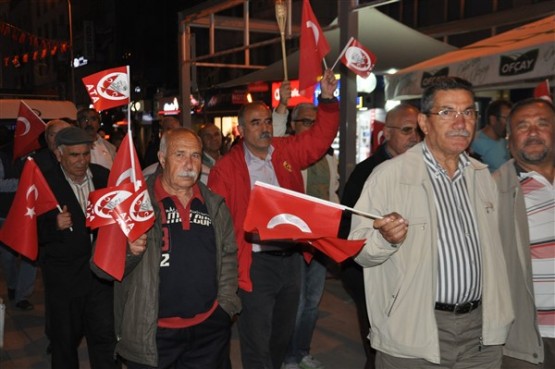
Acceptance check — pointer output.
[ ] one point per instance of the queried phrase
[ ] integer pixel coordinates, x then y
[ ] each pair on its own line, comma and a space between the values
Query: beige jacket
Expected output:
400, 282
524, 341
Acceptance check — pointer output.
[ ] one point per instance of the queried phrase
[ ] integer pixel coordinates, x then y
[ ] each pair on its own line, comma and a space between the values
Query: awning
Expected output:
518, 58
394, 44
45, 109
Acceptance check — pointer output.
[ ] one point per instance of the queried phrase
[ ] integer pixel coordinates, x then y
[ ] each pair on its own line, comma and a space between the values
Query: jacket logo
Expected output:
514, 65
287, 166
428, 78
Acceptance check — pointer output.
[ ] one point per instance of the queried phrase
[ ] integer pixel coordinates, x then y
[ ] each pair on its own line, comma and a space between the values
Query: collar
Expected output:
160, 193
88, 177
250, 157
434, 165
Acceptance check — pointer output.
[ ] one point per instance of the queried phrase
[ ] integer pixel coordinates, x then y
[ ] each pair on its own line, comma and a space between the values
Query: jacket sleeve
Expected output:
312, 144
228, 286
373, 199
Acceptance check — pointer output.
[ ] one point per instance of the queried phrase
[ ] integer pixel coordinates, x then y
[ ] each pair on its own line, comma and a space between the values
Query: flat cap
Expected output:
73, 136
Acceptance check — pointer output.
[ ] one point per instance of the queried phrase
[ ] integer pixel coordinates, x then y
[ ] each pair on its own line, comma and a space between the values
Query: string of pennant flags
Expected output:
40, 47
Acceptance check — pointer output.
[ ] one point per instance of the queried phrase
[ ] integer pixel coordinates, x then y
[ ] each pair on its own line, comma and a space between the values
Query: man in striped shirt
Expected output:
436, 283
527, 220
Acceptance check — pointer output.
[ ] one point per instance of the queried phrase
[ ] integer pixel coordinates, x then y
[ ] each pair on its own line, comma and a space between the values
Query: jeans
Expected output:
313, 279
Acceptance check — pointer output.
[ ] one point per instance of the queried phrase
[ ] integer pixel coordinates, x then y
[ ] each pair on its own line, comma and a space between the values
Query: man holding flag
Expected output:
79, 303
269, 274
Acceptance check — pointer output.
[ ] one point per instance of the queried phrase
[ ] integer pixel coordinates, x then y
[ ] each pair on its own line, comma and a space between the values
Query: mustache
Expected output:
265, 135
458, 132
193, 174
533, 140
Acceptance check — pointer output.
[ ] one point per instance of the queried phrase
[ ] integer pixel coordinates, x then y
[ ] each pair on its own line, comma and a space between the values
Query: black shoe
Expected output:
24, 305
11, 294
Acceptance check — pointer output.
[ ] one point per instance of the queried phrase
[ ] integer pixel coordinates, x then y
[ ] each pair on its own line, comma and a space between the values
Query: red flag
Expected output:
101, 203
111, 243
314, 47
135, 214
28, 128
276, 214
109, 88
542, 91
358, 58
33, 198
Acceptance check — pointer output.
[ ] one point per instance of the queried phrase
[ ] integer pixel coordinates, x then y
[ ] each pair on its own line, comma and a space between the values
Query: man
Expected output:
527, 222
102, 152
211, 137
322, 181
401, 133
175, 305
46, 156
79, 304
437, 293
269, 274
490, 145
167, 123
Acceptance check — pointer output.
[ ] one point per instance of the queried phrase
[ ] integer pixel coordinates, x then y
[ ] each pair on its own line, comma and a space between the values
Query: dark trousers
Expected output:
72, 318
202, 346
268, 317
352, 279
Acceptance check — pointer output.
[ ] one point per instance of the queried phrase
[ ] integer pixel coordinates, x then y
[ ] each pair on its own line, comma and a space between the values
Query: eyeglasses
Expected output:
305, 122
451, 114
407, 130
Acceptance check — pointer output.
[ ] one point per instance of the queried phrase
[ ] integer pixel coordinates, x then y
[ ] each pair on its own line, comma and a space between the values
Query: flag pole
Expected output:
342, 52
281, 16
130, 138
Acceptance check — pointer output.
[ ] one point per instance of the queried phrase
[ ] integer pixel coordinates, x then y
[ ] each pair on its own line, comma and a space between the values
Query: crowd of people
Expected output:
457, 270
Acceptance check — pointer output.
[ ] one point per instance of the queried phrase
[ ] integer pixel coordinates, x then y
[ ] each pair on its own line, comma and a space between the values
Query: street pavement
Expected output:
335, 343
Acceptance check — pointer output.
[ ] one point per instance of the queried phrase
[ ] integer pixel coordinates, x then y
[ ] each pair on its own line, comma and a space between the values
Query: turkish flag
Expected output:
111, 242
33, 198
109, 88
101, 203
280, 214
134, 215
358, 58
28, 128
313, 48
542, 91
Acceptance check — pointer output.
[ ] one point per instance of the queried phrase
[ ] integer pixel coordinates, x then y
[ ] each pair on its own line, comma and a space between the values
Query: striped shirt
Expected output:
539, 197
459, 254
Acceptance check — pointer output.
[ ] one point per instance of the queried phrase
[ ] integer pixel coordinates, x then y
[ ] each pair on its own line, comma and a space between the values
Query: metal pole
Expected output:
70, 19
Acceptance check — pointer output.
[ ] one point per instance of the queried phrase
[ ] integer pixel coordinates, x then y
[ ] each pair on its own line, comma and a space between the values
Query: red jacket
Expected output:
230, 176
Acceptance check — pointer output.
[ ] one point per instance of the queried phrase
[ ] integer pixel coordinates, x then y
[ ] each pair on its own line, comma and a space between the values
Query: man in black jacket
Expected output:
79, 304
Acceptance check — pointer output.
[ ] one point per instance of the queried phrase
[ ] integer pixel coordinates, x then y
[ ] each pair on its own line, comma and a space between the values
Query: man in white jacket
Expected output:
436, 283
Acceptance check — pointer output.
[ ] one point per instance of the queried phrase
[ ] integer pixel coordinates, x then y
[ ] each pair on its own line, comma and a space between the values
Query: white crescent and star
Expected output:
31, 190
26, 123
290, 219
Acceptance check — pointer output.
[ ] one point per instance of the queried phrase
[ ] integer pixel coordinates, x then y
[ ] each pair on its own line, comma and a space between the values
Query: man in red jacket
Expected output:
269, 274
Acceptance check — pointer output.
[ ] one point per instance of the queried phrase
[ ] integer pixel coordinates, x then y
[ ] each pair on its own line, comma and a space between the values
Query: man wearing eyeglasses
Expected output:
437, 287
102, 152
401, 132
489, 145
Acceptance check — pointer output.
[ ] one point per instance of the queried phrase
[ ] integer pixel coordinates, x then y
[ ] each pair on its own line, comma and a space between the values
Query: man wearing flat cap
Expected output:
78, 304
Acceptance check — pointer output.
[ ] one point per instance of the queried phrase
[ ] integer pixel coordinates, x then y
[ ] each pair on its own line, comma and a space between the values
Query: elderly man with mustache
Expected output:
269, 274
175, 304
527, 209
436, 284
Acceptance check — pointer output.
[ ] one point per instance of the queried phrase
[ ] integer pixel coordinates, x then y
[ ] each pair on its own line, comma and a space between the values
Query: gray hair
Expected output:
164, 140
299, 107
442, 84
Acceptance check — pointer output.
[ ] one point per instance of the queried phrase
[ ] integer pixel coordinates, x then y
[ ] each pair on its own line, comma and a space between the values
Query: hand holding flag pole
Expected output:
281, 16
